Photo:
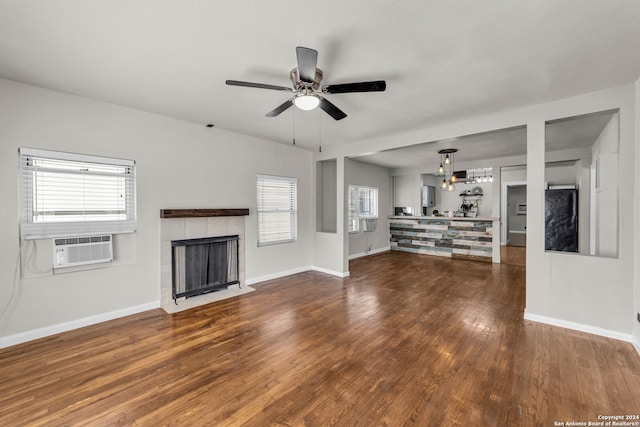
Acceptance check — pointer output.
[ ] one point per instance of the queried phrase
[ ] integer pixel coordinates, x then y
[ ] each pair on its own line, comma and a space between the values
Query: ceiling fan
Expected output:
308, 94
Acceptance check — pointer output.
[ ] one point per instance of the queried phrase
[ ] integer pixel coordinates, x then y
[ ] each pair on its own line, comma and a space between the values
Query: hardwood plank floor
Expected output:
406, 340
514, 255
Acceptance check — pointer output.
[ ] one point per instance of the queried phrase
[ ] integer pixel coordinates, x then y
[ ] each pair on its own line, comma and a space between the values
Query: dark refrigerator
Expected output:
561, 220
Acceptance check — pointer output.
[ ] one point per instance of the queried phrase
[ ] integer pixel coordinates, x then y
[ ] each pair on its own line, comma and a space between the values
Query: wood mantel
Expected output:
201, 213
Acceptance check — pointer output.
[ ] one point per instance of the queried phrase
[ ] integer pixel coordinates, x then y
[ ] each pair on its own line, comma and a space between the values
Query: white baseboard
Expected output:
579, 327
372, 252
277, 275
635, 343
35, 334
332, 272
286, 273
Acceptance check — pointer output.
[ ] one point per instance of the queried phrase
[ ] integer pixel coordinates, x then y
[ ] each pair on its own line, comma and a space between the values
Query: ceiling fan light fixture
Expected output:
306, 102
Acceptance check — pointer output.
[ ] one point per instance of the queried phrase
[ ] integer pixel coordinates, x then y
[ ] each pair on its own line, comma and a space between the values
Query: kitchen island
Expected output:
454, 237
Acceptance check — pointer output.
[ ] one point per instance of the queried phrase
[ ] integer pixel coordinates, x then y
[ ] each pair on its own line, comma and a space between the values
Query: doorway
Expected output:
514, 222
516, 215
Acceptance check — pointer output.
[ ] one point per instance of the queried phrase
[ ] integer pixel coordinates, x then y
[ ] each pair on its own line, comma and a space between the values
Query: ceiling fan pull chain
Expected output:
294, 125
319, 131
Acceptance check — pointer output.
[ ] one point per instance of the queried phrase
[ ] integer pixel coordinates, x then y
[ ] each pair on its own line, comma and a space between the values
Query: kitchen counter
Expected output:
458, 218
453, 237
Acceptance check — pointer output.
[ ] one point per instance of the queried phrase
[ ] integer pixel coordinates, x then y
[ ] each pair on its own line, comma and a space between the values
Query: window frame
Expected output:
292, 209
358, 212
53, 167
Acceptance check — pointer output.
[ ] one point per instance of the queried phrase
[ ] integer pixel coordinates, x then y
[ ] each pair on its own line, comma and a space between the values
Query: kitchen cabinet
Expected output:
406, 191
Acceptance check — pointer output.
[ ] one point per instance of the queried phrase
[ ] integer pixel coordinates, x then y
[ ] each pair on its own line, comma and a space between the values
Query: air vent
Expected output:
72, 251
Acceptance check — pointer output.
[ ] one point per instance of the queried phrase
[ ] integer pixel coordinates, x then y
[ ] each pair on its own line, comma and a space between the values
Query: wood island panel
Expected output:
467, 238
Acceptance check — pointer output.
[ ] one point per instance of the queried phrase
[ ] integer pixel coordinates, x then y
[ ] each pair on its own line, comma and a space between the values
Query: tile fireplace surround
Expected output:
179, 224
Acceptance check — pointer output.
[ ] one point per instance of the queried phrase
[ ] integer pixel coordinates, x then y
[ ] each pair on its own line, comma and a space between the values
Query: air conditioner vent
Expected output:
71, 251
370, 224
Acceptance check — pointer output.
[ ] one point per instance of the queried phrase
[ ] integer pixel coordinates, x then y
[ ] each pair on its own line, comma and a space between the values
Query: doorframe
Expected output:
503, 208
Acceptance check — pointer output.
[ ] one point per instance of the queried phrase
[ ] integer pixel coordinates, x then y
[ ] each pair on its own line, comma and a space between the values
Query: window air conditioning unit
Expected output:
370, 224
72, 251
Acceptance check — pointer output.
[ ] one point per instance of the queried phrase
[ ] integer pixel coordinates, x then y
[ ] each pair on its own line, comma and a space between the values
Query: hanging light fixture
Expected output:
306, 101
446, 168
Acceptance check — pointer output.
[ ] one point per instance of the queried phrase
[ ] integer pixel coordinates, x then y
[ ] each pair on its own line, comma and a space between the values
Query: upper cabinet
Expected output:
406, 192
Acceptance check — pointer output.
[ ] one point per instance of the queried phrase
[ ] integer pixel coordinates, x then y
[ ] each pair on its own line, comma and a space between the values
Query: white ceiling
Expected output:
442, 60
575, 132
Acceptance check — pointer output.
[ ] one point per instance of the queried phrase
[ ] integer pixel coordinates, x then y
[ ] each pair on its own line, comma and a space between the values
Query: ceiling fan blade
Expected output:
280, 108
307, 62
332, 110
375, 86
257, 85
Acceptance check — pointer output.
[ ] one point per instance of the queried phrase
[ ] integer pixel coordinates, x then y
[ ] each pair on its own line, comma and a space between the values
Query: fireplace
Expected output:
188, 225
204, 265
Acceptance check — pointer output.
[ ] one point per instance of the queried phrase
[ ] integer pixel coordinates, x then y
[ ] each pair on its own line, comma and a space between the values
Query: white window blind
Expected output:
64, 194
354, 223
368, 202
363, 204
277, 209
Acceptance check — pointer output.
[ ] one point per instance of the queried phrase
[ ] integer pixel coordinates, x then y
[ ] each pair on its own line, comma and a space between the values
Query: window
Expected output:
363, 204
65, 194
277, 209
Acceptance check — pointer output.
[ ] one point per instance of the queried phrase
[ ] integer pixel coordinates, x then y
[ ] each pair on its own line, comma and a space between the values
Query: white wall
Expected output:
605, 153
179, 165
561, 173
358, 173
326, 187
515, 174
330, 250
451, 200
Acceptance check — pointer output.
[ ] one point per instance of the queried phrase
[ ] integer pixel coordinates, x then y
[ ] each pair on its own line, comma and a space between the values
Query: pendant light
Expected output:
446, 168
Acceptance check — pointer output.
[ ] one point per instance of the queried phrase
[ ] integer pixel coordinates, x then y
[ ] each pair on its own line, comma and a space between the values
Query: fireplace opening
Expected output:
204, 265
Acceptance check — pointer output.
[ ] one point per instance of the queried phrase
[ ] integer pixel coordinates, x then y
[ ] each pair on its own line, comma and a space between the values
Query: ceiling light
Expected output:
446, 168
306, 102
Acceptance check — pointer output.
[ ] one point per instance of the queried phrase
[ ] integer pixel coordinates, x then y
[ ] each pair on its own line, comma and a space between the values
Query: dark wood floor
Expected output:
514, 255
407, 340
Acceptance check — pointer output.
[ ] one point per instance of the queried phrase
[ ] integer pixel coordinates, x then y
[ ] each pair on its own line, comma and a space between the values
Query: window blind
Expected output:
65, 194
277, 209
368, 202
354, 223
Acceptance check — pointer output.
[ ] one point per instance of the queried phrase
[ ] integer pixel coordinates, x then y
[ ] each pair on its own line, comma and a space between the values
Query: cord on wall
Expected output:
33, 258
14, 288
